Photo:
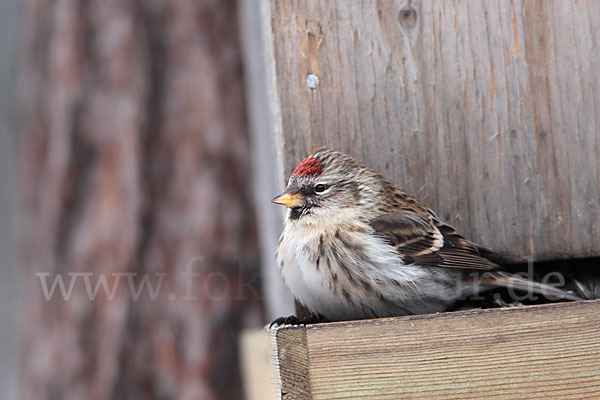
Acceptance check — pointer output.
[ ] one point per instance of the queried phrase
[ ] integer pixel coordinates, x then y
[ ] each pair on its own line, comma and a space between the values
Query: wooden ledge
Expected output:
548, 351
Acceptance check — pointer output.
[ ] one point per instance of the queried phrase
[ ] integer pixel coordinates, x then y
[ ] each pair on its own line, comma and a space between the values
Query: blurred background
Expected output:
128, 240
141, 142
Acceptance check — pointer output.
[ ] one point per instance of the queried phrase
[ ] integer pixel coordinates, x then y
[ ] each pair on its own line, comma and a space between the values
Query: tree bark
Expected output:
134, 166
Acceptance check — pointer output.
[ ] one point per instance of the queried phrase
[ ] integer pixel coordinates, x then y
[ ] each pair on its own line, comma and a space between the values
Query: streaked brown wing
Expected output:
425, 241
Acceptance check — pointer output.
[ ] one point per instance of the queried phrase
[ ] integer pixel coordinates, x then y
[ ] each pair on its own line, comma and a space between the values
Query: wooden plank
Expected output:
487, 111
291, 356
10, 342
535, 352
275, 364
265, 129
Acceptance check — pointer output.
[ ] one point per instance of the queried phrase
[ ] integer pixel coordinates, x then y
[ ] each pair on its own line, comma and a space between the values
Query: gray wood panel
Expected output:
265, 129
8, 270
486, 111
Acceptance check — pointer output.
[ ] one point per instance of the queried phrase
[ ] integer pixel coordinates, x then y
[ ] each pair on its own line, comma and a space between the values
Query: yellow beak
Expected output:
290, 200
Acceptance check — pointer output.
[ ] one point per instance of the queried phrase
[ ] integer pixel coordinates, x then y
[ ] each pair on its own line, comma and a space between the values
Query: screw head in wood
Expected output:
312, 81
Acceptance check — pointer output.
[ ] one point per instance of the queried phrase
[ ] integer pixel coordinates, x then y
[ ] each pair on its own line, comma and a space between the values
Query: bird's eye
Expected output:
320, 188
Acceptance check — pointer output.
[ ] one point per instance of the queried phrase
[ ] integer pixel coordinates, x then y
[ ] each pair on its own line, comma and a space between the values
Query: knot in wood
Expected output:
407, 17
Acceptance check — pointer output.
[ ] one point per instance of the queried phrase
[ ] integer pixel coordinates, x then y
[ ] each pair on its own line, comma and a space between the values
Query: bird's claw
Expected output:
289, 320
293, 320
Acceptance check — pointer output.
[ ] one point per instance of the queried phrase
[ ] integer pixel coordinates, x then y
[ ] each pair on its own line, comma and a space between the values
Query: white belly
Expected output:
312, 288
381, 286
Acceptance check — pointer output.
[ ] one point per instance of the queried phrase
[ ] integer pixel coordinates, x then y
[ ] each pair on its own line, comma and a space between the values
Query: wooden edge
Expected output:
258, 371
290, 352
542, 352
505, 311
266, 145
291, 356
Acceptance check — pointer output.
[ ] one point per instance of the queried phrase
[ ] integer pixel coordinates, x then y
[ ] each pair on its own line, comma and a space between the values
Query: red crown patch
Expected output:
310, 166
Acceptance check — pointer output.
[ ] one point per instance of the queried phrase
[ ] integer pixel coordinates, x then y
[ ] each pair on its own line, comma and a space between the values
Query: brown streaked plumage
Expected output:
354, 246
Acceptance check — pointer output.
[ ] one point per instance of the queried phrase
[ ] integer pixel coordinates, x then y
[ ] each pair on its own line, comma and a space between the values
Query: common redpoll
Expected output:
354, 246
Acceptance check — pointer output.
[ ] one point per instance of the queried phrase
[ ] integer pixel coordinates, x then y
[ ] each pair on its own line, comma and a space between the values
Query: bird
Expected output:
354, 246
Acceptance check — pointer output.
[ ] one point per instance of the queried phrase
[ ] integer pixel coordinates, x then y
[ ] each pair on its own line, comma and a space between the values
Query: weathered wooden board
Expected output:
535, 352
267, 164
487, 111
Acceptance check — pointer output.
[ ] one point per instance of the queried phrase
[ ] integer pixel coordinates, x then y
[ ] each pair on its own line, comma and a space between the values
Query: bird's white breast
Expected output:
376, 284
309, 284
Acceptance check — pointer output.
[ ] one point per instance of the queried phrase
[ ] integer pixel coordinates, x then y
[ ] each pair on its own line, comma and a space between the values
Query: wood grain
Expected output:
534, 352
291, 357
487, 111
264, 117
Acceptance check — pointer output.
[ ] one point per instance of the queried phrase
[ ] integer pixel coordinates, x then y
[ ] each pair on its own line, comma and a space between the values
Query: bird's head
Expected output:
330, 185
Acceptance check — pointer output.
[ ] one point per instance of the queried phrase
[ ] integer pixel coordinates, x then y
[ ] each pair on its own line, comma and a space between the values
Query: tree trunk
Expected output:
134, 169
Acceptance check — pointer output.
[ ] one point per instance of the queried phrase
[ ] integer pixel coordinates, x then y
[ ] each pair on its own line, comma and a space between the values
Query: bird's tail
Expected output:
517, 282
